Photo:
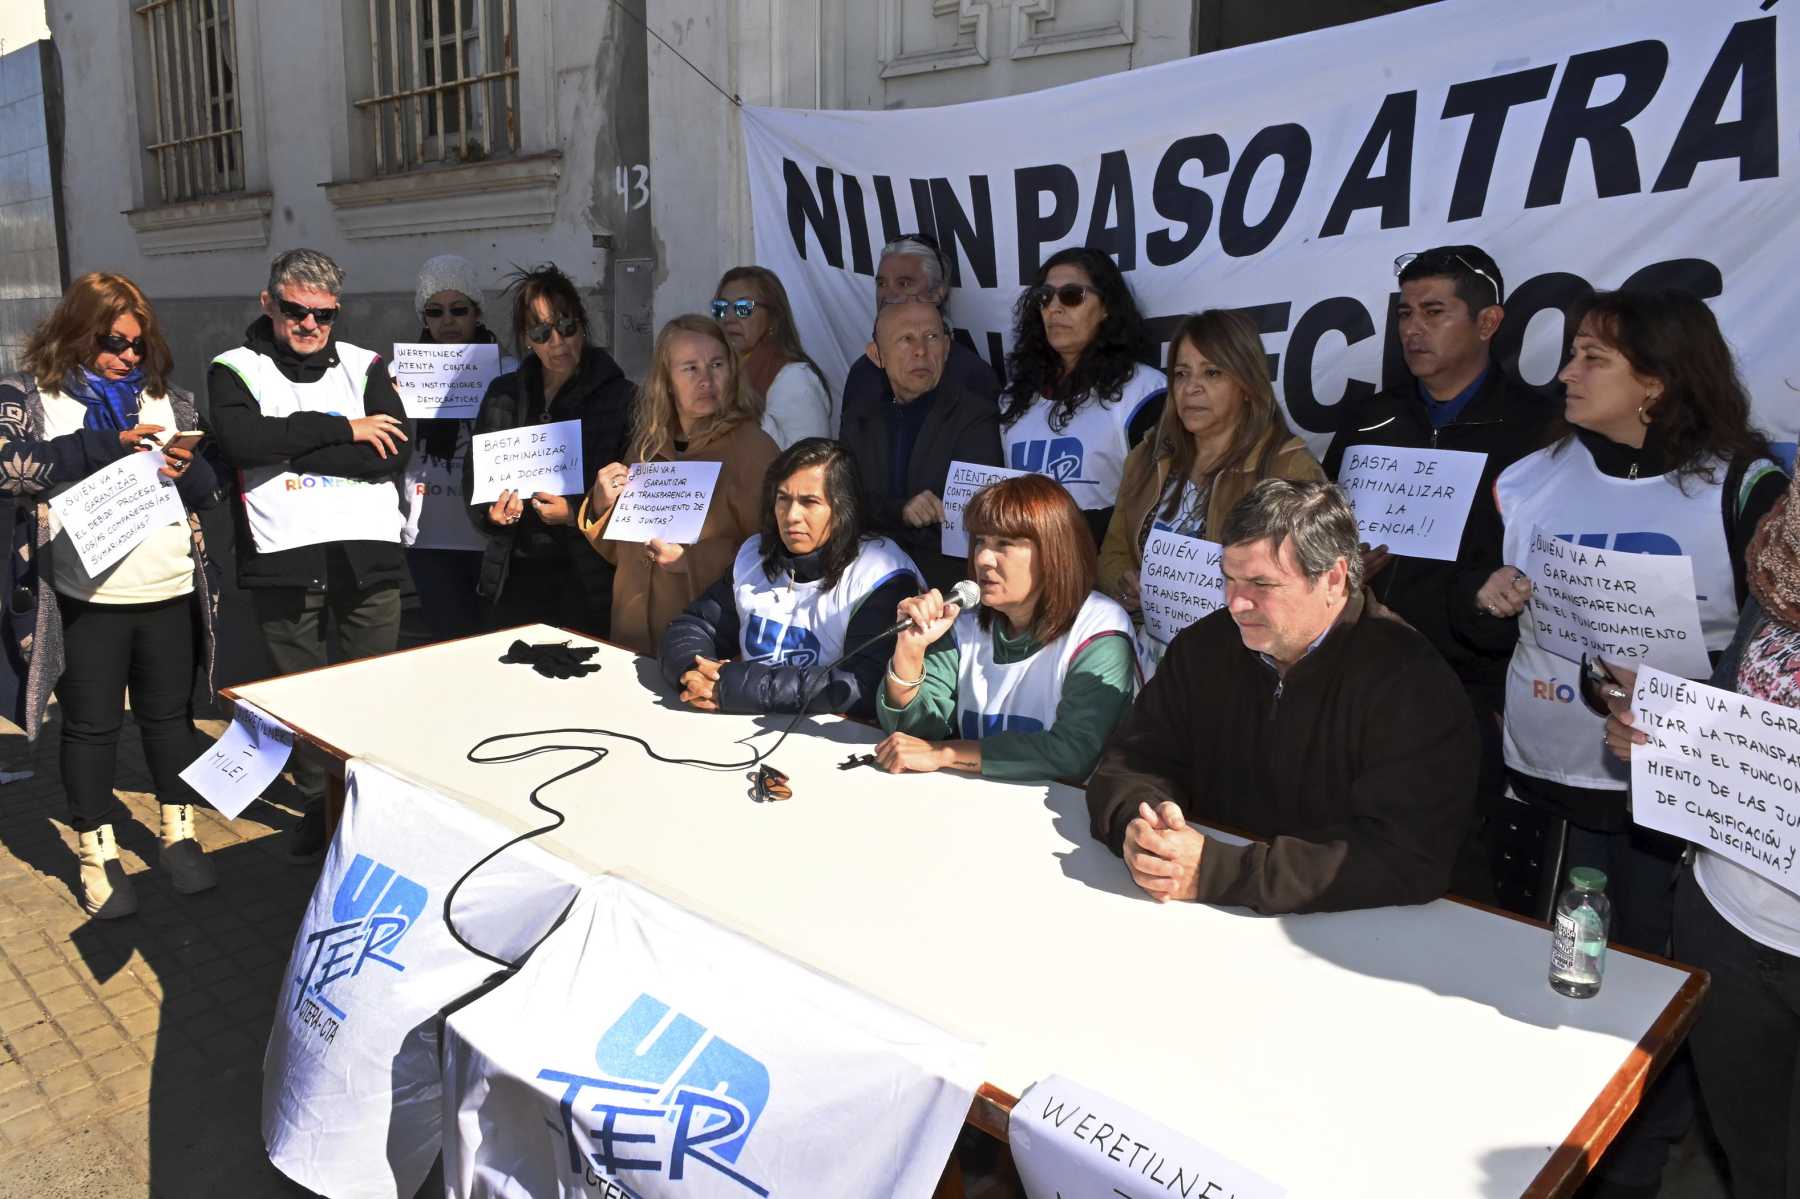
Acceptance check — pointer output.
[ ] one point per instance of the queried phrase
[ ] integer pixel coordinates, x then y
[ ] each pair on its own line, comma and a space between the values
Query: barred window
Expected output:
445, 81
197, 146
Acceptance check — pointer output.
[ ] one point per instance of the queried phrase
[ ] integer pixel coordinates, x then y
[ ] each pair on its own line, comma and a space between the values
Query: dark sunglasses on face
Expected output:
1069, 295
299, 312
565, 328
112, 343
435, 312
738, 308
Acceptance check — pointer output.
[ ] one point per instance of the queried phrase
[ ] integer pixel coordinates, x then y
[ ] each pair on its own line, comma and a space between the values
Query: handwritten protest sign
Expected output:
241, 764
666, 500
1722, 770
109, 513
1634, 609
1070, 1140
443, 381
1415, 502
1181, 581
527, 460
960, 486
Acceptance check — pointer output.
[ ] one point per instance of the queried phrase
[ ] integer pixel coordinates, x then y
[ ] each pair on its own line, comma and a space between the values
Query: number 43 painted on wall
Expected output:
633, 183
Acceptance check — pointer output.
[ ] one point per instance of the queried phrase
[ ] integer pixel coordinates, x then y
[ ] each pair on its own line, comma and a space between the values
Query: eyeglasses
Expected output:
1069, 295
299, 312
738, 308
434, 312
565, 328
112, 343
1404, 260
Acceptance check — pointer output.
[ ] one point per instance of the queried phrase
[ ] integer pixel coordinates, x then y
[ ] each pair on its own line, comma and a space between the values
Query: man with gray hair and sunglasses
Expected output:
317, 434
912, 268
1337, 738
1457, 397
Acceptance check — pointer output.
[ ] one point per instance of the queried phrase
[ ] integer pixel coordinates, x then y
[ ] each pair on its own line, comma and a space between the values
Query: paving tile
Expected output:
67, 1081
29, 1127
18, 1101
141, 1024
61, 1003
127, 1002
84, 1022
20, 1015
55, 978
45, 1061
32, 1038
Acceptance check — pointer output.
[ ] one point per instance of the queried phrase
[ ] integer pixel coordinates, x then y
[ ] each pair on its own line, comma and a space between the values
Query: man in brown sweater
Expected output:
1340, 740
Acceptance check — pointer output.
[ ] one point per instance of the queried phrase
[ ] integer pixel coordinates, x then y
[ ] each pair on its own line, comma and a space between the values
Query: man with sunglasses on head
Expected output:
912, 268
1458, 398
316, 433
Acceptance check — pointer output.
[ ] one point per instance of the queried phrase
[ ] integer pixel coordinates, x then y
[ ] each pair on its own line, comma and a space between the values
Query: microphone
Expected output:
965, 595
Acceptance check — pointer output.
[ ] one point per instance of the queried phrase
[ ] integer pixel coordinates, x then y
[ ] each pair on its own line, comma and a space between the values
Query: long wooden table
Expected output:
1400, 1051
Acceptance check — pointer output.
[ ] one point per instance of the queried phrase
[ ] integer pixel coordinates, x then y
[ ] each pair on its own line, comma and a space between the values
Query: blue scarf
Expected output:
112, 404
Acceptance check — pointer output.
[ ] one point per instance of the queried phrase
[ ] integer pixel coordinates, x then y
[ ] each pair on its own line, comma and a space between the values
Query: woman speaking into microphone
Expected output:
1028, 686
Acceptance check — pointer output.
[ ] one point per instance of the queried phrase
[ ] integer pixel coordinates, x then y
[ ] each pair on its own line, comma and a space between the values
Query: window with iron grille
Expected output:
197, 143
445, 81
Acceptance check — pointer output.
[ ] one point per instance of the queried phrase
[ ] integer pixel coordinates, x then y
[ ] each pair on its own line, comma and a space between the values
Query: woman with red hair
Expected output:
96, 388
1029, 685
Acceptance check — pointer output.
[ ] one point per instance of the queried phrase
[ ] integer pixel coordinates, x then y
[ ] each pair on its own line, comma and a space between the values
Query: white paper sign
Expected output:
1415, 502
353, 1101
644, 1051
240, 765
1070, 1142
1722, 770
527, 460
109, 513
960, 486
1633, 609
1181, 580
667, 500
443, 381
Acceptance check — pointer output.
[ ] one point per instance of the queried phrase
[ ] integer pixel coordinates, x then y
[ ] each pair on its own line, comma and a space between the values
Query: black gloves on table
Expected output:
554, 661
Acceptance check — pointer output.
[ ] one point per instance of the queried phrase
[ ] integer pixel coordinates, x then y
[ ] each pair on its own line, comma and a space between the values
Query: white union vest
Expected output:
288, 510
1021, 697
1087, 456
1550, 733
781, 622
433, 514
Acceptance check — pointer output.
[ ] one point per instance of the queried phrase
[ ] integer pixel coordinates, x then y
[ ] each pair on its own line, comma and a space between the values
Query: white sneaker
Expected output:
182, 854
106, 891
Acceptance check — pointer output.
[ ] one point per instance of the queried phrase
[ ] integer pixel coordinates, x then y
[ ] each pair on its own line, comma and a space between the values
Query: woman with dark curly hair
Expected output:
1081, 390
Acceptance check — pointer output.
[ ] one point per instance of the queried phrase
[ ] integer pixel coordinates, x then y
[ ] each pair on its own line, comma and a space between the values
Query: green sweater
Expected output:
1096, 695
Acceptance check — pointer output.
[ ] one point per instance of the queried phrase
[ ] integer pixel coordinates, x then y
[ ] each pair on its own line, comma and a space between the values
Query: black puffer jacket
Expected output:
1504, 420
710, 628
600, 397
317, 443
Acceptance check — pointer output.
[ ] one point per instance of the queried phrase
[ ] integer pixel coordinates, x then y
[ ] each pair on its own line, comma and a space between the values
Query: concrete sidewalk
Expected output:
131, 1050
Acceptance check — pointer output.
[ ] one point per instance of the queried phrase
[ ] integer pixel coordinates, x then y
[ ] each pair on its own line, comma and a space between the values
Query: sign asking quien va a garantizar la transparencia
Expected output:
666, 500
1633, 609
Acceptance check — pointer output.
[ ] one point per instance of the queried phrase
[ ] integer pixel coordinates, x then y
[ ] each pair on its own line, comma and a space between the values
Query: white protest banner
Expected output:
443, 382
239, 766
1071, 1142
1722, 770
1415, 502
1181, 580
1642, 149
960, 486
529, 459
109, 513
644, 1051
1633, 609
667, 500
352, 1082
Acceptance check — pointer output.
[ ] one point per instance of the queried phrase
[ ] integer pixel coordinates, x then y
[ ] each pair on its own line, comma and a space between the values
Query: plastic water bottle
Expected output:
1578, 937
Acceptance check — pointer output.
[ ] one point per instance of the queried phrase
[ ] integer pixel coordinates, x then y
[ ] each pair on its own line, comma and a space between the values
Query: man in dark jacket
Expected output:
1459, 398
1338, 738
315, 431
912, 268
905, 437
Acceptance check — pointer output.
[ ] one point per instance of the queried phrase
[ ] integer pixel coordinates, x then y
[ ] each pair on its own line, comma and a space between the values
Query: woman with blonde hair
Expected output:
695, 406
1220, 435
752, 308
95, 388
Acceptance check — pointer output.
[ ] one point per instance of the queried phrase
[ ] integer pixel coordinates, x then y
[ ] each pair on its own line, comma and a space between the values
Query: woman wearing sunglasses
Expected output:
443, 553
1653, 453
535, 567
695, 406
752, 307
1081, 392
95, 388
